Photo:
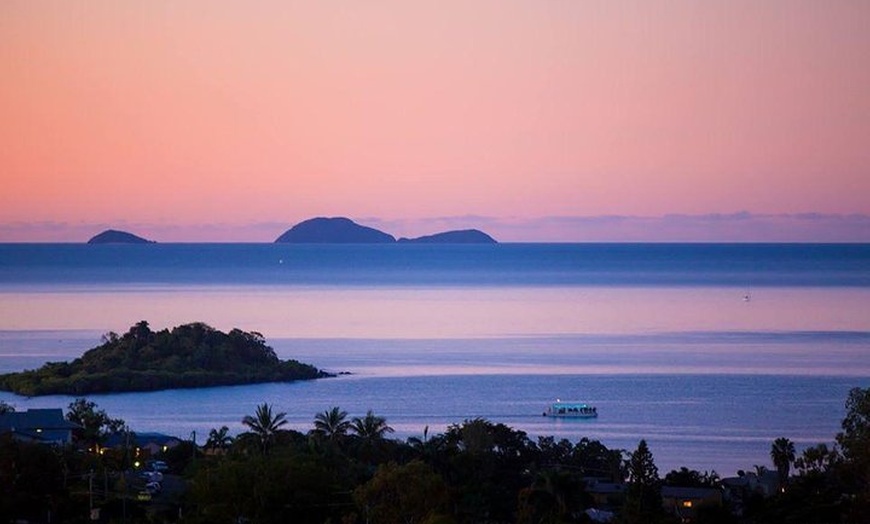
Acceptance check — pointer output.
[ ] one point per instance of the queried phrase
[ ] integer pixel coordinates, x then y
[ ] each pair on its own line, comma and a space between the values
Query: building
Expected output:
740, 489
605, 494
683, 503
45, 426
148, 443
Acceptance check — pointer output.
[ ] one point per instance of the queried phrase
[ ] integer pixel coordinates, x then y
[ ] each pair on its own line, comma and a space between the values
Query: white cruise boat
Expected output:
571, 410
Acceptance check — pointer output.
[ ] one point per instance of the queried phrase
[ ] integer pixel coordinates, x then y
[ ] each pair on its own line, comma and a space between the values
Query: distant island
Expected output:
323, 230
112, 236
333, 231
464, 236
189, 356
340, 230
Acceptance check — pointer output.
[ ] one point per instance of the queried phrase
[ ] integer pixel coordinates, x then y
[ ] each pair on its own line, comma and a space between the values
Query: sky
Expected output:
722, 120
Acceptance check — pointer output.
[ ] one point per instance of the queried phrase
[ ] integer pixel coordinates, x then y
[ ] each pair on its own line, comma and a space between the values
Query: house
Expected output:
605, 494
46, 426
764, 483
683, 503
740, 489
147, 442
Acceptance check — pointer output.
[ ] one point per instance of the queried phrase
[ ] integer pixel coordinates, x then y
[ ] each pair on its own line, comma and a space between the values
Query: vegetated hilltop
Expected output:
189, 356
464, 236
112, 236
334, 231
340, 230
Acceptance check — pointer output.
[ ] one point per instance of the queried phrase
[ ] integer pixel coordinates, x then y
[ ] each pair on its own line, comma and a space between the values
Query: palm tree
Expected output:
264, 425
419, 442
427, 448
782, 454
371, 427
219, 439
332, 424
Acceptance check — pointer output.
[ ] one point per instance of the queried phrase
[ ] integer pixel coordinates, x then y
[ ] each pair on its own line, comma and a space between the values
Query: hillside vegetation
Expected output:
188, 356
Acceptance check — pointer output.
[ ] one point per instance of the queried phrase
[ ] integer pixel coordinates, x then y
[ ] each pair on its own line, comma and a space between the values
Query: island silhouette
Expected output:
113, 236
329, 230
188, 356
341, 230
338, 230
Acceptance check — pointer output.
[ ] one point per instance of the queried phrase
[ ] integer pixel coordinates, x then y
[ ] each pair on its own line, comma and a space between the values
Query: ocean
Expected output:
707, 351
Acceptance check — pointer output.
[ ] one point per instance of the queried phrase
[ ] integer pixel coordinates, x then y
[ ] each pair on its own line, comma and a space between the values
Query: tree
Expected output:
369, 432
332, 424
370, 427
32, 480
219, 439
854, 440
475, 436
816, 460
855, 437
690, 478
487, 464
595, 459
264, 425
554, 453
96, 424
643, 501
141, 331
272, 489
641, 467
428, 449
402, 494
782, 454
554, 496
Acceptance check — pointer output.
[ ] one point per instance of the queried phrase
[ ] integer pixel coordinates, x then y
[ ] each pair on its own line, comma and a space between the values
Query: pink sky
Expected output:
203, 121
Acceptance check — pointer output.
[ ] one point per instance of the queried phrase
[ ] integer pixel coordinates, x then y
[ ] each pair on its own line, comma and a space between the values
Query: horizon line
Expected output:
737, 227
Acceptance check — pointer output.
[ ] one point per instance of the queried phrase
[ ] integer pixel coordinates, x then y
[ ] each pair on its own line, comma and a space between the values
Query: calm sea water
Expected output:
708, 351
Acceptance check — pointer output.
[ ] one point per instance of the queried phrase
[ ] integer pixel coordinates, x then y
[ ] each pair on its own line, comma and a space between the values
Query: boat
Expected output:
571, 410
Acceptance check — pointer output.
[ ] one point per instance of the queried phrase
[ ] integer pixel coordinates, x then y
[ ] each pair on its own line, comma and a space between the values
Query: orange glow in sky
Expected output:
165, 113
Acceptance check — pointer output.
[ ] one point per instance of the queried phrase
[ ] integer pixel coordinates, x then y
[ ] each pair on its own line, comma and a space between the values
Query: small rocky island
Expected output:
340, 230
112, 236
188, 356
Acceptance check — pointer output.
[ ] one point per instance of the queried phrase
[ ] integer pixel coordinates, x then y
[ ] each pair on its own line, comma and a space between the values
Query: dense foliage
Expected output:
188, 356
344, 470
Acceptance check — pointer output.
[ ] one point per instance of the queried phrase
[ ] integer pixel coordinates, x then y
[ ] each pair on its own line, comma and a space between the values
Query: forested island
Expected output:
188, 356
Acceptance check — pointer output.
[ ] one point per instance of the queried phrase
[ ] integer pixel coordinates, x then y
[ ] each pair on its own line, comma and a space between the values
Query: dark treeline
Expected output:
187, 356
347, 470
